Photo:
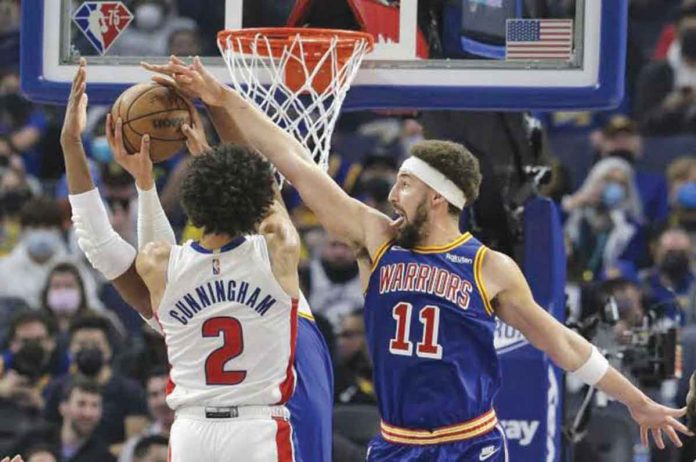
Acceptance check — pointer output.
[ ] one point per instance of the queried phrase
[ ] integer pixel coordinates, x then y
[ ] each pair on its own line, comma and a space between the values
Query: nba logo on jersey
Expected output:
216, 266
102, 22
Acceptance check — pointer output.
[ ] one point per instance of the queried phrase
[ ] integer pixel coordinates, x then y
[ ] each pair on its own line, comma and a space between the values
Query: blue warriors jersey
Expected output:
430, 331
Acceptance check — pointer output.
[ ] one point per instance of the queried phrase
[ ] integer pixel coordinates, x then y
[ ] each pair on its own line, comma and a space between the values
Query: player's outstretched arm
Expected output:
341, 215
514, 304
107, 252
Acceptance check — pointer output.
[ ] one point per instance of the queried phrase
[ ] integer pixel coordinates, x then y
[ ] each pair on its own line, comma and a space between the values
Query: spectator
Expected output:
669, 32
162, 415
629, 302
138, 361
353, 383
620, 138
376, 180
124, 402
681, 175
605, 222
21, 124
185, 42
27, 364
41, 247
333, 281
671, 283
9, 33
154, 22
666, 99
63, 297
81, 406
14, 193
154, 448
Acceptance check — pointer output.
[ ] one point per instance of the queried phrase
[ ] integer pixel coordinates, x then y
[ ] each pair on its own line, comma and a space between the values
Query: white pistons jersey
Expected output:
229, 327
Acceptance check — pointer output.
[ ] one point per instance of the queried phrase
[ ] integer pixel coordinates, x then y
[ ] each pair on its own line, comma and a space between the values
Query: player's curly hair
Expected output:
454, 161
228, 190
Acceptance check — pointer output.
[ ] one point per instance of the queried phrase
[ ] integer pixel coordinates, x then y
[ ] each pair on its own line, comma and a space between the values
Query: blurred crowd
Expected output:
81, 378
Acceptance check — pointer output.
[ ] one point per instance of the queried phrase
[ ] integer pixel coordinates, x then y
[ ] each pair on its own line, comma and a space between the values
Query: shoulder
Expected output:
501, 273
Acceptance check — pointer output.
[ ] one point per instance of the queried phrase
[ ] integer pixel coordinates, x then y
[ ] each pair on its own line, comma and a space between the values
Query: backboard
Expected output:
465, 54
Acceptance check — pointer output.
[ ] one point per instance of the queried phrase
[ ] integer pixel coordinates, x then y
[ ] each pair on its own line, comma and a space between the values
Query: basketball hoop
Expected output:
298, 76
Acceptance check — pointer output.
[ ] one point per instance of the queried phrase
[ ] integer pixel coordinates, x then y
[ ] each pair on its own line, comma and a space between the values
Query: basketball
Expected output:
156, 110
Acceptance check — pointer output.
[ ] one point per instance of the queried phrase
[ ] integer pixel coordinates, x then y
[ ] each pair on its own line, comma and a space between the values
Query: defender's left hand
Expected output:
658, 418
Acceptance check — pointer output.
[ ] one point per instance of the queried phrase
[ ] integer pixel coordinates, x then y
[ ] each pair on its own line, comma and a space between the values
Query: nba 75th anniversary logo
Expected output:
102, 22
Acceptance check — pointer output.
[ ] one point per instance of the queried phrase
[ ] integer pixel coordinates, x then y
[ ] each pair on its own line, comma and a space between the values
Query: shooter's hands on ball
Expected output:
196, 141
139, 165
658, 418
76, 111
193, 81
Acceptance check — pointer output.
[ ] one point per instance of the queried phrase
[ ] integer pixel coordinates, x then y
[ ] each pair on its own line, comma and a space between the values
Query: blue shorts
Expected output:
311, 406
490, 447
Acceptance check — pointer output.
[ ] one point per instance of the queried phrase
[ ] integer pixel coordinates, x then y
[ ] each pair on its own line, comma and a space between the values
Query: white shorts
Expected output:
195, 438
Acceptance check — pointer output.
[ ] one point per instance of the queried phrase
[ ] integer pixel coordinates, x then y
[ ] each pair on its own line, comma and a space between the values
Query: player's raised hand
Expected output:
76, 112
194, 81
139, 165
656, 418
196, 141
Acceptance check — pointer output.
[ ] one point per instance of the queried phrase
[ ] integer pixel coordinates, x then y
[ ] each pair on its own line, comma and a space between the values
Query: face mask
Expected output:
42, 244
686, 195
89, 361
63, 301
613, 194
101, 152
11, 201
148, 16
675, 265
625, 154
30, 360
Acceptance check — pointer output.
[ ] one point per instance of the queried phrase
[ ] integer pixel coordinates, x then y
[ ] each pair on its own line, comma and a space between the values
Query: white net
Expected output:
307, 109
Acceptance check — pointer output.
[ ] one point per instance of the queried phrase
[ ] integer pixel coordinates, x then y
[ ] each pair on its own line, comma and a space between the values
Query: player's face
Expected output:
83, 411
410, 199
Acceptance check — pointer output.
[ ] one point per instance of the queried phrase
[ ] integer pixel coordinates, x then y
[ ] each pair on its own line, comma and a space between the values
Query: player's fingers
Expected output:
159, 68
164, 81
118, 135
673, 436
679, 426
181, 78
175, 60
657, 436
145, 145
109, 129
676, 412
644, 436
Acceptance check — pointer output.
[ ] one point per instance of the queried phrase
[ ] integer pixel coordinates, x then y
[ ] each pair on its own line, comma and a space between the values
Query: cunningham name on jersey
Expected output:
221, 291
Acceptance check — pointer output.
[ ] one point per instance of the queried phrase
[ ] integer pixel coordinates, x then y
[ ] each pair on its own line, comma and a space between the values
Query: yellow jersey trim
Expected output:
381, 250
306, 316
444, 248
478, 264
466, 430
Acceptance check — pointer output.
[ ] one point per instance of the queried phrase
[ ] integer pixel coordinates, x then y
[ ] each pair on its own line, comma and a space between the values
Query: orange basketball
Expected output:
156, 110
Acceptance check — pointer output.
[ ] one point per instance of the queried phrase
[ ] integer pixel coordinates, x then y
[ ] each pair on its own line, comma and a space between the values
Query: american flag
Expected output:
534, 39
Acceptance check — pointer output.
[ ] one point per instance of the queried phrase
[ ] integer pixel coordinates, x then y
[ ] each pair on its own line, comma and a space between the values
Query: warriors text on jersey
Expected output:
229, 327
430, 331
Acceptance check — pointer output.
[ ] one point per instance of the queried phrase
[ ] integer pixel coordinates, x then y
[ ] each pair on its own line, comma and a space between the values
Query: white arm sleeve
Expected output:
105, 249
153, 224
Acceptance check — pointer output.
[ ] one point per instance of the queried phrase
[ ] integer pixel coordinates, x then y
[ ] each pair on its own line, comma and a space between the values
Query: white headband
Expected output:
436, 180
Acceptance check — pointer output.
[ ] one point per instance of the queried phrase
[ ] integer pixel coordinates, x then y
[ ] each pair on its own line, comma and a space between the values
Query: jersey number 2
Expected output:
233, 345
428, 347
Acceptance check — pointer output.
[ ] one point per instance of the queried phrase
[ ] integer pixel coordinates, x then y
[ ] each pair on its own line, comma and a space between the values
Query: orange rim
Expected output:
314, 41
